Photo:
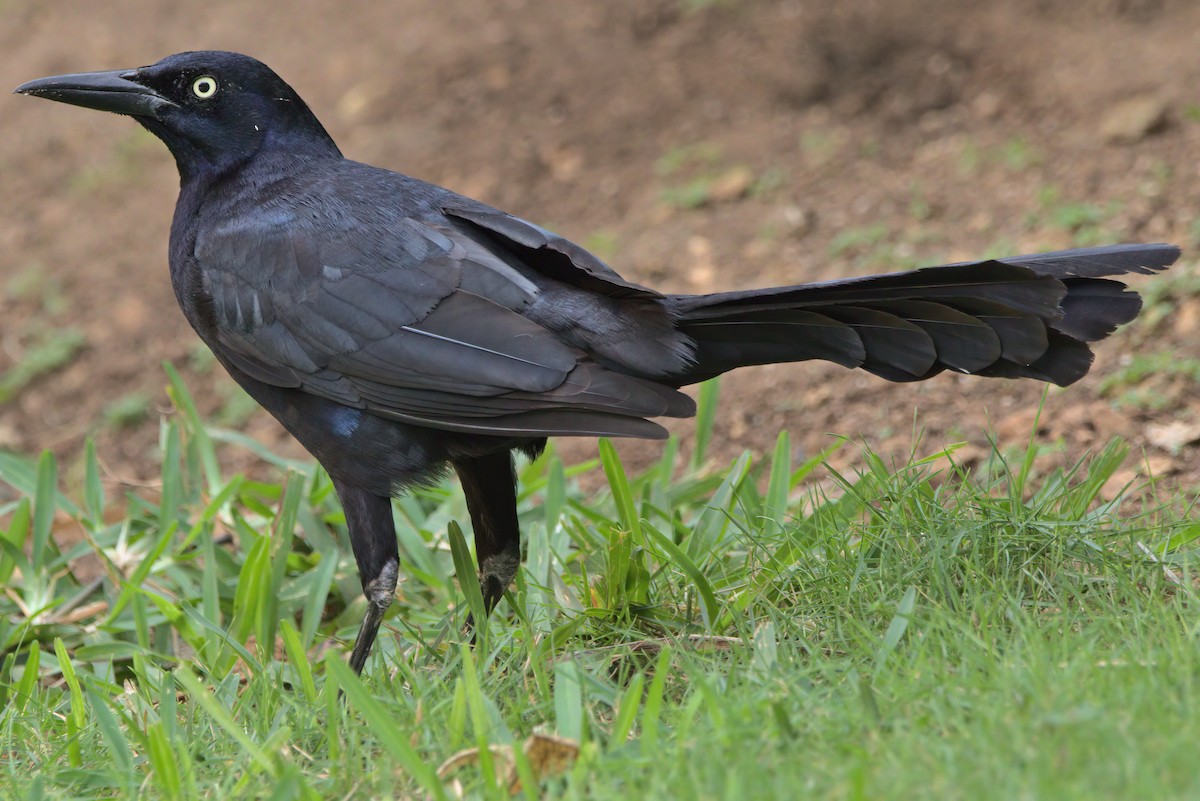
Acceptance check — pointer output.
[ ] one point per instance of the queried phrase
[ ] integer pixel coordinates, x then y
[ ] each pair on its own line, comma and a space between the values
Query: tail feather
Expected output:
1097, 262
1022, 337
1024, 316
890, 341
1094, 307
962, 341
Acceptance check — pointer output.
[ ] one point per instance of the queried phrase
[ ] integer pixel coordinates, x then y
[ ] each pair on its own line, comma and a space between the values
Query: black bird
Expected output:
396, 328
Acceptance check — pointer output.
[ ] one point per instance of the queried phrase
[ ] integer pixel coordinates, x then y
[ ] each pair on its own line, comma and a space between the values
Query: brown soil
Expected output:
695, 145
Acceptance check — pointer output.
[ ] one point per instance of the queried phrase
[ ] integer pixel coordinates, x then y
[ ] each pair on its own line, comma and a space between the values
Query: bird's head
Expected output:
214, 110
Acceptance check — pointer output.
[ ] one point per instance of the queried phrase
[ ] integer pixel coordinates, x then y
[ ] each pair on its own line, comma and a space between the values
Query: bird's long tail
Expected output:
1025, 316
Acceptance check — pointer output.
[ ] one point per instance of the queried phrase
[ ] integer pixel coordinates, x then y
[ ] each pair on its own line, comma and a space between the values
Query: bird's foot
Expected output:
495, 575
379, 591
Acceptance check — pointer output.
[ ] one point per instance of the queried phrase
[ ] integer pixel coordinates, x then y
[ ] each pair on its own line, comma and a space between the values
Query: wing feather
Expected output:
425, 327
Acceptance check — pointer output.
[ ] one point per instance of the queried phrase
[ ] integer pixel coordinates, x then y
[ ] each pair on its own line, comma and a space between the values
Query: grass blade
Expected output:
618, 483
709, 608
568, 701
384, 727
45, 504
899, 625
464, 567
706, 416
223, 718
779, 483
626, 712
298, 658
118, 746
93, 489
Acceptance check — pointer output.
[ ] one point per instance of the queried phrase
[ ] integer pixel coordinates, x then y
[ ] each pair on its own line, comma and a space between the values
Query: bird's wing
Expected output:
543, 251
417, 324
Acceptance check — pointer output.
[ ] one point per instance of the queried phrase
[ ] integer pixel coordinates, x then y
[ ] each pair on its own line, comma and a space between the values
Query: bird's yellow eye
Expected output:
204, 87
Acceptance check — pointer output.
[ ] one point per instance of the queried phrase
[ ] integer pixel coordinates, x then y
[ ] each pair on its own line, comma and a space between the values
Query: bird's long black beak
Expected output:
106, 91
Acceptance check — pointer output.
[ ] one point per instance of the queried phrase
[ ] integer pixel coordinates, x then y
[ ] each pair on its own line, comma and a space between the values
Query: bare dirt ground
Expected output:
695, 145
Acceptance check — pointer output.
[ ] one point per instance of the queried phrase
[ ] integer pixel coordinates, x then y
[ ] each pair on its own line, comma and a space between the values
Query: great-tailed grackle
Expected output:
396, 328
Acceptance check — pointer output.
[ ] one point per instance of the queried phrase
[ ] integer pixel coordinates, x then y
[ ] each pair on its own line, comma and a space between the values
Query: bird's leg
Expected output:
378, 594
373, 537
490, 486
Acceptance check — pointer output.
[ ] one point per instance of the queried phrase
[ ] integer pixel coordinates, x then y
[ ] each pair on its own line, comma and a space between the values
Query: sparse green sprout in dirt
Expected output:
1013, 155
1085, 221
857, 239
47, 350
1163, 300
875, 246
124, 163
236, 407
1142, 383
37, 284
603, 243
699, 177
200, 358
128, 410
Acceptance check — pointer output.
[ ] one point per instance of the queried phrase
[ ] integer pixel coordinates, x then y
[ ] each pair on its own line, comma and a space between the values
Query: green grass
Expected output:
37, 285
873, 246
128, 410
1129, 385
1085, 221
1015, 155
854, 240
47, 350
908, 631
43, 345
697, 175
122, 164
604, 243
1161, 299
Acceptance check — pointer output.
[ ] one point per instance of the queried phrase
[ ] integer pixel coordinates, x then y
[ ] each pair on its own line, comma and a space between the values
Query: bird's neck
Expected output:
202, 163
213, 188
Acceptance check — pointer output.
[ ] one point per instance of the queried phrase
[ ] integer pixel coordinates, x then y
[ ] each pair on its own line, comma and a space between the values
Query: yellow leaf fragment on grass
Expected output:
547, 755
